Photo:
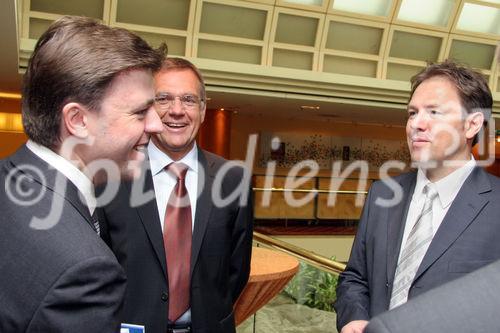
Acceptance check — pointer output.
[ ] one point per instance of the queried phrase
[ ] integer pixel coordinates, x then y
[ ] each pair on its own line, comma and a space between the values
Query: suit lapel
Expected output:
396, 222
53, 180
203, 205
464, 209
148, 213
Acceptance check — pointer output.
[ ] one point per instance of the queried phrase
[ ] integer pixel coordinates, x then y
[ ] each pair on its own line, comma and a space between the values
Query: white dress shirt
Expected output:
68, 169
164, 183
447, 188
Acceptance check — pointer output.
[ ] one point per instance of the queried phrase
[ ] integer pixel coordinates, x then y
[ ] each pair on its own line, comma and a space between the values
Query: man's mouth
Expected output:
417, 139
175, 125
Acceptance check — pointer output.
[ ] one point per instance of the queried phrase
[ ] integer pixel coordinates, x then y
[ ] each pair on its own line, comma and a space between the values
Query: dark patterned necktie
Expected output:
177, 235
95, 222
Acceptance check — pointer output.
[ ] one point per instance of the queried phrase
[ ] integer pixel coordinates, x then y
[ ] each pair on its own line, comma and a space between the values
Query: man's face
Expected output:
125, 121
181, 120
437, 127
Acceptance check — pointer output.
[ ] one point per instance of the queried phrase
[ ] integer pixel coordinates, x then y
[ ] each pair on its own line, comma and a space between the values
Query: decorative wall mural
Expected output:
288, 149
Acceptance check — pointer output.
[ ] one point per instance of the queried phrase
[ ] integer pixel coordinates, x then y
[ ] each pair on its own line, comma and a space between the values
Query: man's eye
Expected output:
411, 113
162, 99
189, 99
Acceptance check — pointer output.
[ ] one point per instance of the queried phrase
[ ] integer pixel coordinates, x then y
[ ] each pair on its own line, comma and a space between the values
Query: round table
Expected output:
270, 272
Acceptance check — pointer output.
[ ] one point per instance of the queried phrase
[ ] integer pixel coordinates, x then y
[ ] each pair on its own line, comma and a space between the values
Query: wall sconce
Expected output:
11, 122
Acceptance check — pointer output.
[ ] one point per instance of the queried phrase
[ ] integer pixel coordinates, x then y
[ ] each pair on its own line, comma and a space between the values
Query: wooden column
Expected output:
215, 132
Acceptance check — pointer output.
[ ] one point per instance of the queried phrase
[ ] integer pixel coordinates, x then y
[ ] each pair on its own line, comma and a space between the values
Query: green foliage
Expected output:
313, 287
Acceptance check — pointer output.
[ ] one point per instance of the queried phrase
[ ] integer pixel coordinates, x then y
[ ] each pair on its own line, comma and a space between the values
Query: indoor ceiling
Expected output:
345, 41
287, 107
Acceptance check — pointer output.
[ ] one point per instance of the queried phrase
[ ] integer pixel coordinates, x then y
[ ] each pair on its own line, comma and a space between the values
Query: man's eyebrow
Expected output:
427, 106
144, 105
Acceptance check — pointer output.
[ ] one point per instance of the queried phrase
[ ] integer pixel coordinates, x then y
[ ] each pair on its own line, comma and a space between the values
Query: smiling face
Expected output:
180, 123
438, 128
125, 121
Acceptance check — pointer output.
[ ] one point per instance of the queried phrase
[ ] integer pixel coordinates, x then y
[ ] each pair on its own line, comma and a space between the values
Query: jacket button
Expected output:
164, 296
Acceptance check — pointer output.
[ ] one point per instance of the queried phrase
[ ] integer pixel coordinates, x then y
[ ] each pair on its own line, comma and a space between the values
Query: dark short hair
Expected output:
171, 64
76, 60
472, 87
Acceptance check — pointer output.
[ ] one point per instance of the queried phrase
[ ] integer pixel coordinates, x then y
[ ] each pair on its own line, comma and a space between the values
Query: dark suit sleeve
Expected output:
241, 247
87, 297
353, 297
468, 304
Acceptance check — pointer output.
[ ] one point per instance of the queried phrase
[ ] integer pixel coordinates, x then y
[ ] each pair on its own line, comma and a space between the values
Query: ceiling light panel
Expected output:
372, 7
292, 59
90, 8
349, 66
172, 14
429, 12
243, 22
492, 1
407, 45
176, 44
477, 55
479, 18
295, 29
306, 2
212, 49
37, 27
354, 38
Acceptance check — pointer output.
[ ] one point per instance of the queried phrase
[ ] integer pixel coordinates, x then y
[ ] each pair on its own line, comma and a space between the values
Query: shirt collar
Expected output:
68, 169
159, 160
448, 186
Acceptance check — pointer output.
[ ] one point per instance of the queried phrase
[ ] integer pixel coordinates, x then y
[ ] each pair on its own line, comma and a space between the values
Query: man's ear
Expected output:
202, 112
75, 120
473, 124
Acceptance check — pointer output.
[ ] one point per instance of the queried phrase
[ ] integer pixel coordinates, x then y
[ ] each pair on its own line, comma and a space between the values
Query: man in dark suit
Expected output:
442, 222
88, 95
186, 282
468, 304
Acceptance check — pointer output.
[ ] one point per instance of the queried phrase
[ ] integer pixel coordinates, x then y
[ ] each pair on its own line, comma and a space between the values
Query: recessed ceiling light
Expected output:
309, 107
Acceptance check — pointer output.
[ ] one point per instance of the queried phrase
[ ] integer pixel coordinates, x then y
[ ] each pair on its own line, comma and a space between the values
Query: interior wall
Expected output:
11, 142
243, 126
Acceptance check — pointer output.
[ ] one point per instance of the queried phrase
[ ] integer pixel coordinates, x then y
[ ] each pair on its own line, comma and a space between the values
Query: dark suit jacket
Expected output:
220, 260
468, 304
466, 240
62, 279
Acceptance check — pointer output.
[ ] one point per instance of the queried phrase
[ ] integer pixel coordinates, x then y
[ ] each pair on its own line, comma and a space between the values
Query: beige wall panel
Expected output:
279, 206
338, 247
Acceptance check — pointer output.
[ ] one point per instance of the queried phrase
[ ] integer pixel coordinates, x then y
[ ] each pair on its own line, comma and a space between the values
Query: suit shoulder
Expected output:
495, 181
213, 158
217, 162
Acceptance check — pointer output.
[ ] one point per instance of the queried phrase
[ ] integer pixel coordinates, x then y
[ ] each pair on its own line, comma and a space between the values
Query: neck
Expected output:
74, 156
443, 169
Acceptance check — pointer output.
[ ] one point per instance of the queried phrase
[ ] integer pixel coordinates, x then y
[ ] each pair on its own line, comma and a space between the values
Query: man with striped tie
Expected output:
424, 228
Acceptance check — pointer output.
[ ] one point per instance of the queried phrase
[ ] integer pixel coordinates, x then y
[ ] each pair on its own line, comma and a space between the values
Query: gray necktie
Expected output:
416, 246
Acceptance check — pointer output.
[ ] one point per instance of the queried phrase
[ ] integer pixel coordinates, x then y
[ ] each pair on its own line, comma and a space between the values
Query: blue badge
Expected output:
130, 328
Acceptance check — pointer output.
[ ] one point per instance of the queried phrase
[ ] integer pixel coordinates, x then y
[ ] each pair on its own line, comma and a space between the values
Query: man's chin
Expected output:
423, 162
